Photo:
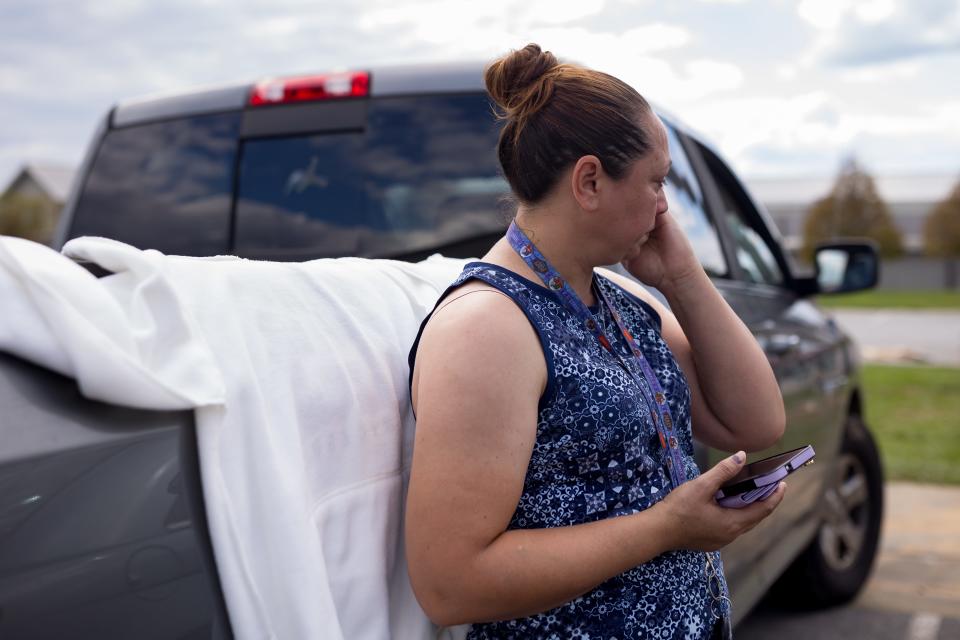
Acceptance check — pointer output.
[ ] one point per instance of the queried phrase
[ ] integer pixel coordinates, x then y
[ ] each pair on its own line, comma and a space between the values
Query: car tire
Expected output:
834, 567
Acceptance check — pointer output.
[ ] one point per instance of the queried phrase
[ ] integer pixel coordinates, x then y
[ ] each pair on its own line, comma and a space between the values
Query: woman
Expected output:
553, 492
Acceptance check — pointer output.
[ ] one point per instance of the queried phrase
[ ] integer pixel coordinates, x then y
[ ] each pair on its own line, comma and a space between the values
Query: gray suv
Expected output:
102, 525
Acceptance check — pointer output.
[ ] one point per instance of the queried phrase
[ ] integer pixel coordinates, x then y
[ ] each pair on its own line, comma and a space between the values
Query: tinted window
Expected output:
754, 256
422, 174
165, 185
686, 205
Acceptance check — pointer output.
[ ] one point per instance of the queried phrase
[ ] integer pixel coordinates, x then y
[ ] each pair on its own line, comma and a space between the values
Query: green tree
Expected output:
853, 208
941, 234
29, 217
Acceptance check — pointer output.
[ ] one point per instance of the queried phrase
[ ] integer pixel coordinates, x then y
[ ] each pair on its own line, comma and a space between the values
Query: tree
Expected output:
29, 217
853, 208
941, 234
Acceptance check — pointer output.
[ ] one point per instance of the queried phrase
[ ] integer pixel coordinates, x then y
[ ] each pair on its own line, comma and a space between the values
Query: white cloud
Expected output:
13, 79
631, 57
823, 14
556, 11
441, 19
656, 37
279, 27
715, 76
677, 87
882, 72
866, 32
817, 127
605, 50
491, 28
114, 11
829, 14
736, 124
938, 119
786, 71
875, 11
678, 54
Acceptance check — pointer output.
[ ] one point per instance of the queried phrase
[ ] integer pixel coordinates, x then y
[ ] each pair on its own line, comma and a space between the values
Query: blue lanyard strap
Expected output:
652, 391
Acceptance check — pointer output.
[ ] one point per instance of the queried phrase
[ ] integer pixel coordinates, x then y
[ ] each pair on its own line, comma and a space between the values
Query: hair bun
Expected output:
510, 79
554, 113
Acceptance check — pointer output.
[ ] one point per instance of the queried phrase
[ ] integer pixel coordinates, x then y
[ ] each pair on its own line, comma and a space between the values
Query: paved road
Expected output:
931, 336
914, 592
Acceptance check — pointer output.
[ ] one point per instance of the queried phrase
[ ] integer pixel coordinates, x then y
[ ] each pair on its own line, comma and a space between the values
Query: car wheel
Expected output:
833, 569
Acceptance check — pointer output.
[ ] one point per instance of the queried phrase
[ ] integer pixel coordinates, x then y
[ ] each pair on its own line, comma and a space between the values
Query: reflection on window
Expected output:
753, 254
163, 185
831, 266
422, 174
686, 205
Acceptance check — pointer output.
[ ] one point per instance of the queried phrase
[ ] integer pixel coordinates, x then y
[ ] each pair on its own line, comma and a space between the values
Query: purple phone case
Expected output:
767, 483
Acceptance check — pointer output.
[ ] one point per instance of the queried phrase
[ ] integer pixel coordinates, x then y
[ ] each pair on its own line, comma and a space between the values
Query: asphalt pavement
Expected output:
914, 590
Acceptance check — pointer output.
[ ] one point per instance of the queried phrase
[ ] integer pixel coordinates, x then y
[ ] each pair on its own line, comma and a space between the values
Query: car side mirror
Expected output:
842, 267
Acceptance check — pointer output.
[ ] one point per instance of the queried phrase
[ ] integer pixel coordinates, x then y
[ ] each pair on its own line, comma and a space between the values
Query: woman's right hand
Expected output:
698, 523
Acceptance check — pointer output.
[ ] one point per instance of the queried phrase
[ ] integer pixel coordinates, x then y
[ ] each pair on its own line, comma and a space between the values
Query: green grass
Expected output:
914, 412
887, 299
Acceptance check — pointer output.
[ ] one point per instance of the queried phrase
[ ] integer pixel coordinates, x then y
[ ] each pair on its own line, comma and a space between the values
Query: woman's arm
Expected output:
735, 398
735, 395
479, 374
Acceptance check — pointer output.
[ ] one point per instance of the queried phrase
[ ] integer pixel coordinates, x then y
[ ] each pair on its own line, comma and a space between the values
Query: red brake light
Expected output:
308, 88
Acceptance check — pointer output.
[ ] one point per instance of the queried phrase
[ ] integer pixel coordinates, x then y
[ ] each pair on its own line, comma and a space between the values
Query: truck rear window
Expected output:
164, 185
422, 174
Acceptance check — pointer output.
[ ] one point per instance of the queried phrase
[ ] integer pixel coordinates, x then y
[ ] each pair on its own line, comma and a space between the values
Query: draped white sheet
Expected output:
298, 376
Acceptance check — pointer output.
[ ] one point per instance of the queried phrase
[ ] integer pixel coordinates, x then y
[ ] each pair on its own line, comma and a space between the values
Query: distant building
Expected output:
30, 205
910, 199
47, 181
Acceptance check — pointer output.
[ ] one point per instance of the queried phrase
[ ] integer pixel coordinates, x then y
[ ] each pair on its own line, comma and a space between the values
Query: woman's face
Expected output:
637, 200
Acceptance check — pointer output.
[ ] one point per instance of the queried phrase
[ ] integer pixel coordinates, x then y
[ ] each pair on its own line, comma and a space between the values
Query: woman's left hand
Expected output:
665, 257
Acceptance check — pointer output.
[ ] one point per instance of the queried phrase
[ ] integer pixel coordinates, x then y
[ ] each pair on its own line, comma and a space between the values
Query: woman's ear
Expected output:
585, 182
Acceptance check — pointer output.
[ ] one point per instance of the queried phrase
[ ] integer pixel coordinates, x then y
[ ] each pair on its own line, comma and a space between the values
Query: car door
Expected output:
102, 526
805, 350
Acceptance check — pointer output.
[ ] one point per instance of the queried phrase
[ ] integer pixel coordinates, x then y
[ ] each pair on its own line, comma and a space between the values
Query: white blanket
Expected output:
298, 375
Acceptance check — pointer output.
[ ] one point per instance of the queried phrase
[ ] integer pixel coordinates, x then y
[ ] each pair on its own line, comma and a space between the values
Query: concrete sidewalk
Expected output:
914, 591
918, 570
931, 336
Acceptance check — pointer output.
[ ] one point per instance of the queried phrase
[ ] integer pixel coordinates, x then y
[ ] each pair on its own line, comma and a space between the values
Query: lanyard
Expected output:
652, 391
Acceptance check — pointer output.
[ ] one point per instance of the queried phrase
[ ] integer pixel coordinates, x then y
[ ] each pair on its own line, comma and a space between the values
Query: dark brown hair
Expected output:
557, 113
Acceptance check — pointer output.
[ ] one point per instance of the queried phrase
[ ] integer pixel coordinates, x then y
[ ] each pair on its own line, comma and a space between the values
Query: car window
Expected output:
422, 174
164, 185
753, 254
685, 199
756, 259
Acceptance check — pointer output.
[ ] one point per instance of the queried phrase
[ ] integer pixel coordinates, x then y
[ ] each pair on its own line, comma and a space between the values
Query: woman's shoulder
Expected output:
473, 302
478, 318
478, 337
479, 313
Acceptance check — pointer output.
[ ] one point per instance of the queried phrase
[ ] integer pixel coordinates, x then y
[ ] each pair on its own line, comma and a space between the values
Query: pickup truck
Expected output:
102, 525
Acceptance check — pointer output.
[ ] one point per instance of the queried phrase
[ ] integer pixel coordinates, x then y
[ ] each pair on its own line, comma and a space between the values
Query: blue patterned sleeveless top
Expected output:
597, 455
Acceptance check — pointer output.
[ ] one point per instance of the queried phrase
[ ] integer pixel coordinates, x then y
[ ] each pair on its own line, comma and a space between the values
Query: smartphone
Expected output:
757, 480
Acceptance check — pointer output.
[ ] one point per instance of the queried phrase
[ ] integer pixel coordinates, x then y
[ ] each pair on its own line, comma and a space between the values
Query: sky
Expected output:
782, 88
